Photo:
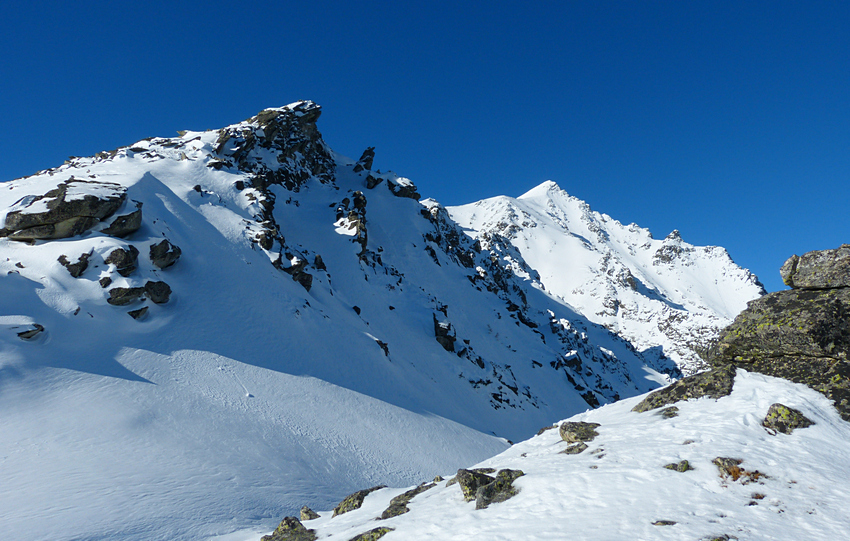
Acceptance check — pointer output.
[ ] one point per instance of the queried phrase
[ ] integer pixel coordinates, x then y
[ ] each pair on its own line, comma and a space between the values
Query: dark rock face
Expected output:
578, 432
70, 209
365, 161
126, 224
125, 260
713, 384
825, 269
164, 254
158, 292
291, 529
122, 296
79, 267
32, 333
499, 490
398, 505
404, 190
783, 419
802, 335
373, 534
444, 334
138, 314
354, 501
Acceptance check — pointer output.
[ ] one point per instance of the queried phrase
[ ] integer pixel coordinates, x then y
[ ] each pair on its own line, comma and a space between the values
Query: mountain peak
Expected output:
542, 190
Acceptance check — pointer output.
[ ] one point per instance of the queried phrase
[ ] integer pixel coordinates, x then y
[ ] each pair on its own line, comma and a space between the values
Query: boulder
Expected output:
308, 514
398, 505
499, 490
802, 335
783, 419
574, 432
824, 269
682, 466
444, 333
122, 296
470, 481
125, 224
158, 292
713, 384
164, 254
125, 260
575, 448
290, 529
373, 534
354, 501
79, 267
70, 209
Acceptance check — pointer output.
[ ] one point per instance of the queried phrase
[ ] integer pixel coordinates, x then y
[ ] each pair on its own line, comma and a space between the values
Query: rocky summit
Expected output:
274, 317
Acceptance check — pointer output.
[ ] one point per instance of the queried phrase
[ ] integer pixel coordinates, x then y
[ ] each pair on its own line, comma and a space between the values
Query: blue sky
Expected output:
729, 121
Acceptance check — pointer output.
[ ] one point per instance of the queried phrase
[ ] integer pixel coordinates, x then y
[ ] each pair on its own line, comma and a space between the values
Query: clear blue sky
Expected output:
729, 121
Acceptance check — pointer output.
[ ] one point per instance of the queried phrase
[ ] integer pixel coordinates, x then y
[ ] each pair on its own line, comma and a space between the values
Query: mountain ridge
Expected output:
313, 306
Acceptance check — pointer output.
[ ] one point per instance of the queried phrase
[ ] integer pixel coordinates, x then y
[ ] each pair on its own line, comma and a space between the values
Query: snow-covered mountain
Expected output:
663, 295
200, 333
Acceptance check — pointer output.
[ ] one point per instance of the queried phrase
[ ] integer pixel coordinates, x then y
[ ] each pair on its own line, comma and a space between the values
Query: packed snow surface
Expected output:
618, 488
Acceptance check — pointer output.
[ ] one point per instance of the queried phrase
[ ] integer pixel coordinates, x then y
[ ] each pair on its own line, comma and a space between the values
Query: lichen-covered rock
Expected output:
158, 292
575, 448
308, 514
783, 419
354, 501
670, 412
802, 335
713, 384
164, 254
290, 529
573, 432
125, 260
77, 268
498, 490
373, 534
730, 468
470, 481
122, 296
125, 224
398, 505
70, 209
682, 466
797, 322
822, 269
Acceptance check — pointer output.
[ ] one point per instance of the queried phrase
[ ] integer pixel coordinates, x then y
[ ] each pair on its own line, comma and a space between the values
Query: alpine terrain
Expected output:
201, 334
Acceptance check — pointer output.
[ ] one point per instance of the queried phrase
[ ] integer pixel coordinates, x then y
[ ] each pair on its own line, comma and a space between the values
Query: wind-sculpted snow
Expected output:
662, 295
285, 326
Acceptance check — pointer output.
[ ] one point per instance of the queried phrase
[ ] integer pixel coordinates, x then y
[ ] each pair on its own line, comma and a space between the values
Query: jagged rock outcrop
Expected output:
73, 207
365, 161
308, 514
398, 505
164, 254
802, 335
124, 259
499, 490
77, 268
122, 296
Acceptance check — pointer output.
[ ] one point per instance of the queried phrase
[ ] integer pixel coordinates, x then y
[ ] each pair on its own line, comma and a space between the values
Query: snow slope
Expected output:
297, 358
618, 487
664, 293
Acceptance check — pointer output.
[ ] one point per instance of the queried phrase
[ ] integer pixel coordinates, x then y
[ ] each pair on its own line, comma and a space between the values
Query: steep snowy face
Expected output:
263, 312
665, 296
